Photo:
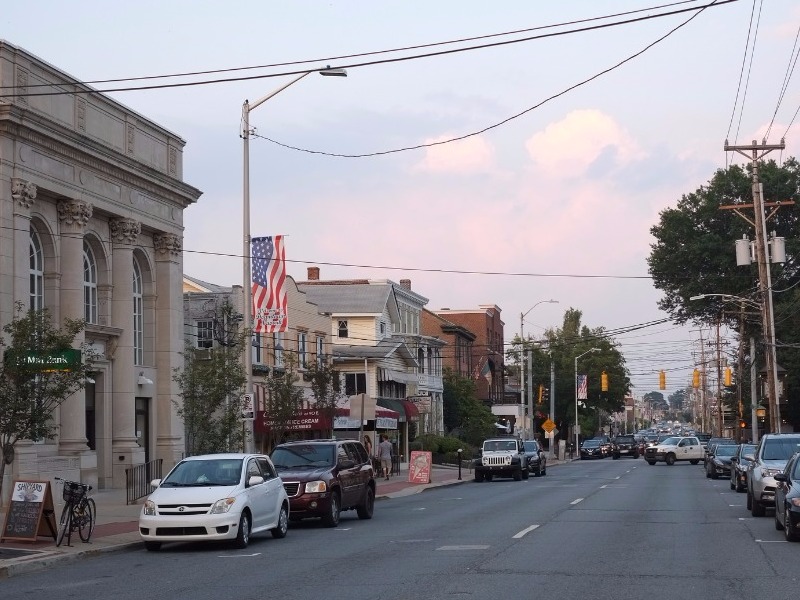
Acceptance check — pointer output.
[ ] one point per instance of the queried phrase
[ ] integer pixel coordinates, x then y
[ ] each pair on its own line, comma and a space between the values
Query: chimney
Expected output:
405, 283
313, 273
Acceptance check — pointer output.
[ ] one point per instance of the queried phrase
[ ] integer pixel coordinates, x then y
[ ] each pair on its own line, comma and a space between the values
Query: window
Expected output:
320, 351
138, 315
302, 349
36, 301
257, 349
205, 334
421, 360
277, 343
89, 284
383, 328
355, 383
343, 329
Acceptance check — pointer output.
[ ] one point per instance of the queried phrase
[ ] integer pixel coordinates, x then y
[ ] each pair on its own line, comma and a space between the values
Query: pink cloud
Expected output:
465, 156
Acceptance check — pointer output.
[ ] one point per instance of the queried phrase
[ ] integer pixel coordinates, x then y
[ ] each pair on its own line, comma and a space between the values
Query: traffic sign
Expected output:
548, 425
248, 410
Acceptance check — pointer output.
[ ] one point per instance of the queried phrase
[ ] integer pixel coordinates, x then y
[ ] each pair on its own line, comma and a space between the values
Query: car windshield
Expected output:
205, 472
670, 441
530, 446
747, 449
780, 449
725, 450
625, 439
303, 456
499, 445
591, 444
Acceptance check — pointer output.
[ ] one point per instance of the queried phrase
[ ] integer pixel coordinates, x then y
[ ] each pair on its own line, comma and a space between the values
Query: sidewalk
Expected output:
117, 524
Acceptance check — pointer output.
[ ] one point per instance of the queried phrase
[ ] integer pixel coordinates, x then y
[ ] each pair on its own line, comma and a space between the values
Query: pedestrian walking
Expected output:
385, 454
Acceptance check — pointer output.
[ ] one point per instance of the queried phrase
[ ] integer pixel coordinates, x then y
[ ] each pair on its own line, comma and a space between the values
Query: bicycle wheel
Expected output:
86, 524
65, 524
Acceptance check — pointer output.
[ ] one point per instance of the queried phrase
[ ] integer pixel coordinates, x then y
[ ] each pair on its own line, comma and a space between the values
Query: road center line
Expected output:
524, 531
602, 487
576, 501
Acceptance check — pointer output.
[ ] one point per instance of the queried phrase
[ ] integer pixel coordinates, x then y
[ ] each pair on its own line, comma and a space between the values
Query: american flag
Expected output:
269, 293
582, 387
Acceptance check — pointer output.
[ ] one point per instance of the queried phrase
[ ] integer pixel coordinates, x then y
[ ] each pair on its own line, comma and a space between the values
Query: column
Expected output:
169, 341
23, 194
73, 216
124, 448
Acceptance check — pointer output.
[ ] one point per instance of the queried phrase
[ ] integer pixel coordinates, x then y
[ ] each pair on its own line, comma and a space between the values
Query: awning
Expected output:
398, 376
412, 412
408, 412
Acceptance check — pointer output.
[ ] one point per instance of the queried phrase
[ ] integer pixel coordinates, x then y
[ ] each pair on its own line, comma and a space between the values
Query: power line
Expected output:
789, 72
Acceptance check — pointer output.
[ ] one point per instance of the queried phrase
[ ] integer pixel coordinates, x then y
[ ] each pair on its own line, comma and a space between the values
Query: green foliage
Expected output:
463, 412
29, 395
212, 383
326, 388
284, 399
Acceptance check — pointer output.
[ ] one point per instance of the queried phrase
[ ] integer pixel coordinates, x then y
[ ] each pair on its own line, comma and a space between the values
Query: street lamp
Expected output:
577, 446
247, 108
522, 360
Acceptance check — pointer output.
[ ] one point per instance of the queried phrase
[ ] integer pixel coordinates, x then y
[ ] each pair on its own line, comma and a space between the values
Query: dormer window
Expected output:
343, 329
383, 328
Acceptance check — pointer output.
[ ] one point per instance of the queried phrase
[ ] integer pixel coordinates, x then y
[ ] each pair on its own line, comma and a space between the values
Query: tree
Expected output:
212, 383
30, 390
463, 412
326, 389
284, 399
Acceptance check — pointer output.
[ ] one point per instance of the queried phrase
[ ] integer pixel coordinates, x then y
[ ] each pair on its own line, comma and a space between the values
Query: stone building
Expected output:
91, 223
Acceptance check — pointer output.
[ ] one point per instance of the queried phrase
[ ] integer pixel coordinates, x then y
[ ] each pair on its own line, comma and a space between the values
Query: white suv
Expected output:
772, 453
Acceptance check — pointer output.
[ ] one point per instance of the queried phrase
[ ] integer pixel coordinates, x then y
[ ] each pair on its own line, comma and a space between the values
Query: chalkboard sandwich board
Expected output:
30, 513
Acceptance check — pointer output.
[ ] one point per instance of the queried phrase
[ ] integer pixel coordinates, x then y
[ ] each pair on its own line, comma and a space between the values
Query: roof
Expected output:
352, 299
192, 285
383, 349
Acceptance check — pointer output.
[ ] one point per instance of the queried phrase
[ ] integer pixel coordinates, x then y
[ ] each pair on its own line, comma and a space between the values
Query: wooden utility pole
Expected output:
755, 152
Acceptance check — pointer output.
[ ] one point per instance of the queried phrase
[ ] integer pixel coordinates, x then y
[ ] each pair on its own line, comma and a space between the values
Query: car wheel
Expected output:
694, 462
544, 471
670, 460
778, 523
739, 487
616, 457
733, 485
243, 535
708, 475
366, 509
788, 531
478, 476
714, 475
488, 476
749, 500
331, 518
538, 472
283, 524
635, 455
651, 462
757, 509
526, 473
518, 475
152, 546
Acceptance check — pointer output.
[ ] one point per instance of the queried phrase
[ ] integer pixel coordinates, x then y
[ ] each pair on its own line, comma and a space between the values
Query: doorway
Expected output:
143, 426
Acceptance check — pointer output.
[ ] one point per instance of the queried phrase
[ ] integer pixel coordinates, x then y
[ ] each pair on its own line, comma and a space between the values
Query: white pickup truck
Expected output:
675, 448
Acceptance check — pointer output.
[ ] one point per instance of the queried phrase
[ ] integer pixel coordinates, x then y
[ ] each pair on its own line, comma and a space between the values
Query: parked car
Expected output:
740, 463
536, 457
592, 449
719, 461
325, 477
712, 444
501, 456
606, 444
772, 453
215, 497
787, 500
625, 445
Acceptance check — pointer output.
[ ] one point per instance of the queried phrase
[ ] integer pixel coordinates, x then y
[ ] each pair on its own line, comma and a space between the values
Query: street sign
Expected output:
548, 425
248, 409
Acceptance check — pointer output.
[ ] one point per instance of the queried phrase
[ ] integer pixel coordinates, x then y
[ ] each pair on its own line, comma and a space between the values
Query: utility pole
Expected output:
756, 153
720, 416
530, 393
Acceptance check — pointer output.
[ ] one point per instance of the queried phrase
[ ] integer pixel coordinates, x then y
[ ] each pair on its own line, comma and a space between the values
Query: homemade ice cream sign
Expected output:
30, 513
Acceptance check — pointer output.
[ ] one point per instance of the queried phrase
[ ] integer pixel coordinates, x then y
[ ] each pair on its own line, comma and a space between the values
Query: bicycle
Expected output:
79, 512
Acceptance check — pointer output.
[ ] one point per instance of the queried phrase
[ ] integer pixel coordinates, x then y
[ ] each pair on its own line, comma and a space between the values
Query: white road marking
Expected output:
772, 541
576, 501
343, 528
464, 547
524, 531
423, 508
617, 477
736, 505
239, 555
602, 487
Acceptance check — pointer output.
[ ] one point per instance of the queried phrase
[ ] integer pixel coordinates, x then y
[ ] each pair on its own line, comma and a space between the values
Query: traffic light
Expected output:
541, 393
604, 382
662, 380
743, 424
727, 377
696, 379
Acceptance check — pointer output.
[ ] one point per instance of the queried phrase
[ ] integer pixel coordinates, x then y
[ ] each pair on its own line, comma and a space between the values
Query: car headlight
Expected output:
222, 506
316, 487
770, 472
149, 508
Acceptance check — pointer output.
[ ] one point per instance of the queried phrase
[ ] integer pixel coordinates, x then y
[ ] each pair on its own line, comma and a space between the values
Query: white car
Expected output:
215, 497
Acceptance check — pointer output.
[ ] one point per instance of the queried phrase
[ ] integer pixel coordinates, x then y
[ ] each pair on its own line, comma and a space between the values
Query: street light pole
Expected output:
247, 108
522, 362
577, 446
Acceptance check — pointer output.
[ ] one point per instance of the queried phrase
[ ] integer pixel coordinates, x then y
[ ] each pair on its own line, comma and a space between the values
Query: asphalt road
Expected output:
589, 529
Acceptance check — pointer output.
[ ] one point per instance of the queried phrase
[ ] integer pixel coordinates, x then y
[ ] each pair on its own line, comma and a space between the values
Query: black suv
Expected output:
537, 459
324, 477
625, 445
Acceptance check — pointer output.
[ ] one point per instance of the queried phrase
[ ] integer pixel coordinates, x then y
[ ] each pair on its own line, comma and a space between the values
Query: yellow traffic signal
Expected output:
662, 380
727, 377
604, 382
541, 393
742, 423
696, 379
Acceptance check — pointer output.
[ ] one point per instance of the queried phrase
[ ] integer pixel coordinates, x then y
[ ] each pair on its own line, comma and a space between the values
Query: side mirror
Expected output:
255, 480
346, 463
155, 483
781, 477
750, 457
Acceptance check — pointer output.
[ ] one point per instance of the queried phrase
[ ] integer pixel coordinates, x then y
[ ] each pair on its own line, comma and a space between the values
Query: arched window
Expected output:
36, 300
138, 315
89, 284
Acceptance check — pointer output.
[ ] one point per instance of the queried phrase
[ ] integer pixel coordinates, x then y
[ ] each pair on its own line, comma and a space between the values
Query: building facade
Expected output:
91, 224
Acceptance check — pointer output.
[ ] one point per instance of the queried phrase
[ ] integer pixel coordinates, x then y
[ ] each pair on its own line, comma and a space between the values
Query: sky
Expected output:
562, 164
